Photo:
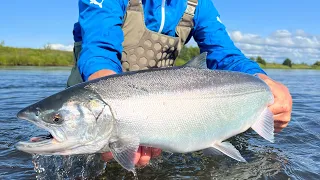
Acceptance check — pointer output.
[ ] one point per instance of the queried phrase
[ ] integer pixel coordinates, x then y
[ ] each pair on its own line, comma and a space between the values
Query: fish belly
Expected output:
187, 121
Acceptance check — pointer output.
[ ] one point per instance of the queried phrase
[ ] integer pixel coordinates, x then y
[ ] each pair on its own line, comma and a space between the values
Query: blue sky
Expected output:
38, 22
264, 17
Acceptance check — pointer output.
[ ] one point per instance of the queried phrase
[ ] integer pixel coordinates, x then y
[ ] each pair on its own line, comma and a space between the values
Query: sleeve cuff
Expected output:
256, 71
97, 64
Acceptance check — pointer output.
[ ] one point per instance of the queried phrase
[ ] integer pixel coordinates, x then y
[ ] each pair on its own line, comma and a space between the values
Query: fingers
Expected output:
282, 106
282, 117
278, 126
138, 155
142, 157
156, 152
145, 156
279, 107
281, 121
107, 156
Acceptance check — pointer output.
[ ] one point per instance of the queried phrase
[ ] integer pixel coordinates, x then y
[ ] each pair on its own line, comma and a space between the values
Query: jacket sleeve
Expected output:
102, 36
212, 37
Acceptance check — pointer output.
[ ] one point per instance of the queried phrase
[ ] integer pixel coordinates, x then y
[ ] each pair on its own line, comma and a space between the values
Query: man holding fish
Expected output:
117, 36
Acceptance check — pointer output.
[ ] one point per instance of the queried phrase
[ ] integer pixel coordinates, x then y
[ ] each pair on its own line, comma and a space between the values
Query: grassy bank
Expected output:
294, 66
10, 56
180, 62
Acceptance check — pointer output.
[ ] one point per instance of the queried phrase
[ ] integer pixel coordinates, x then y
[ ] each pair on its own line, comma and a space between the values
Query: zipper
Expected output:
163, 16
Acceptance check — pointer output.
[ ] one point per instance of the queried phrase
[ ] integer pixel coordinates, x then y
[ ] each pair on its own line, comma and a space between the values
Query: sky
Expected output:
272, 29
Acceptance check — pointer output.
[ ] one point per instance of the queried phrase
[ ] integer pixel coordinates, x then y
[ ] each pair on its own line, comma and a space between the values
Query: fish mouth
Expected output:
54, 143
45, 146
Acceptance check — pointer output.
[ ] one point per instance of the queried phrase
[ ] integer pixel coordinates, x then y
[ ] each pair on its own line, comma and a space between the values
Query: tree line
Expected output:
10, 56
188, 53
287, 62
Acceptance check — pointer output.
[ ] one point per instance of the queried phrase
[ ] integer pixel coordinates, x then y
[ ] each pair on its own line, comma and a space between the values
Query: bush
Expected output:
287, 62
317, 63
260, 60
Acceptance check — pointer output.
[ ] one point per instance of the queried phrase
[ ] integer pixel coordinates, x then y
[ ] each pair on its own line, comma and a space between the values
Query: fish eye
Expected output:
57, 118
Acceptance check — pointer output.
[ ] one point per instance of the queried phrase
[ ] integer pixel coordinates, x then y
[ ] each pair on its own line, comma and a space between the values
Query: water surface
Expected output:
295, 153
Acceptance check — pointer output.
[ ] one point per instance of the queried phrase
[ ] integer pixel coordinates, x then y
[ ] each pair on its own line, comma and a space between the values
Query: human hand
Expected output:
282, 106
142, 157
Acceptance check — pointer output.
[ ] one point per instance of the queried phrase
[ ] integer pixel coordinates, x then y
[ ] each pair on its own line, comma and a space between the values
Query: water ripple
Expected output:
294, 155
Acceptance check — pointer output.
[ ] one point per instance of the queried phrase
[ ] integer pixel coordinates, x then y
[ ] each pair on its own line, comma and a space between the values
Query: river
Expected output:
295, 153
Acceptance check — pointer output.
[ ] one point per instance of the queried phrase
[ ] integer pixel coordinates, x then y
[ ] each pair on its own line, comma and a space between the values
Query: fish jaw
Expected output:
30, 116
46, 147
69, 147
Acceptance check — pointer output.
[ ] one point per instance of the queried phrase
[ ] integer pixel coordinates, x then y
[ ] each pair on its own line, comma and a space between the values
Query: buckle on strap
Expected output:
134, 2
191, 7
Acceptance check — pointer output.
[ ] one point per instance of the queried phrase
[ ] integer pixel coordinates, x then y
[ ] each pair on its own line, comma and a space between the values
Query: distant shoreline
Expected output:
294, 66
70, 66
10, 56
29, 57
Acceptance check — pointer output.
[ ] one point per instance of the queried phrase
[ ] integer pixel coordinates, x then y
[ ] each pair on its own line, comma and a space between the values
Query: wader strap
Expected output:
134, 5
187, 19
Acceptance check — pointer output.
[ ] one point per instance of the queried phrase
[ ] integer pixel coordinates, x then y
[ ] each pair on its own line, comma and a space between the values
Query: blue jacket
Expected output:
100, 31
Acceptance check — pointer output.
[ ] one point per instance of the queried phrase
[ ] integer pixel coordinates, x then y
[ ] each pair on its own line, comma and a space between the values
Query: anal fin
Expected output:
264, 126
229, 150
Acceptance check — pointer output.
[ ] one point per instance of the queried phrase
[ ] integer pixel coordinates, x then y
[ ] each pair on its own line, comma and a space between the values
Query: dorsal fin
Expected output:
198, 61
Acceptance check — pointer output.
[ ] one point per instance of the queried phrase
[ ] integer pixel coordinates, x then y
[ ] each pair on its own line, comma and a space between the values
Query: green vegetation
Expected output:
293, 66
287, 62
10, 56
317, 63
186, 54
261, 61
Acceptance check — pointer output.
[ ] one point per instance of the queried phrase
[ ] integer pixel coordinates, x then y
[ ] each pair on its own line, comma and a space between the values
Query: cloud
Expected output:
298, 46
60, 47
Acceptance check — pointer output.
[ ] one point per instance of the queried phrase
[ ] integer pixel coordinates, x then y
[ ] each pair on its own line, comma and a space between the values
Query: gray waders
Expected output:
142, 48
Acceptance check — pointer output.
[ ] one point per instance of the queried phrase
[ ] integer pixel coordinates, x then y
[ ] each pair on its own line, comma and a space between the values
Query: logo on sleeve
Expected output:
218, 19
96, 3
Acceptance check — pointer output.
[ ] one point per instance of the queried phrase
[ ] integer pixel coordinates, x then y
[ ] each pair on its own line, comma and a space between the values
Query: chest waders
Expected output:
142, 48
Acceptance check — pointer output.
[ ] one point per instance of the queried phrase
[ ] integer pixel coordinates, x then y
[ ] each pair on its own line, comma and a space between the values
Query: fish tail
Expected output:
264, 126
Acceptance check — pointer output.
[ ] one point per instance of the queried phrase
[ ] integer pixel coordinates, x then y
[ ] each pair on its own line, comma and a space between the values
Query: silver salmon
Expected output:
177, 109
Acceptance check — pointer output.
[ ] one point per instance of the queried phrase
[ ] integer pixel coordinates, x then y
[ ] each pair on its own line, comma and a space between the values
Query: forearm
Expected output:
101, 73
102, 37
233, 60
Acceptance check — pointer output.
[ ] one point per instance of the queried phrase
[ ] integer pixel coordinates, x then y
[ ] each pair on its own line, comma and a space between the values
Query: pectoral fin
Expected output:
229, 150
124, 150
